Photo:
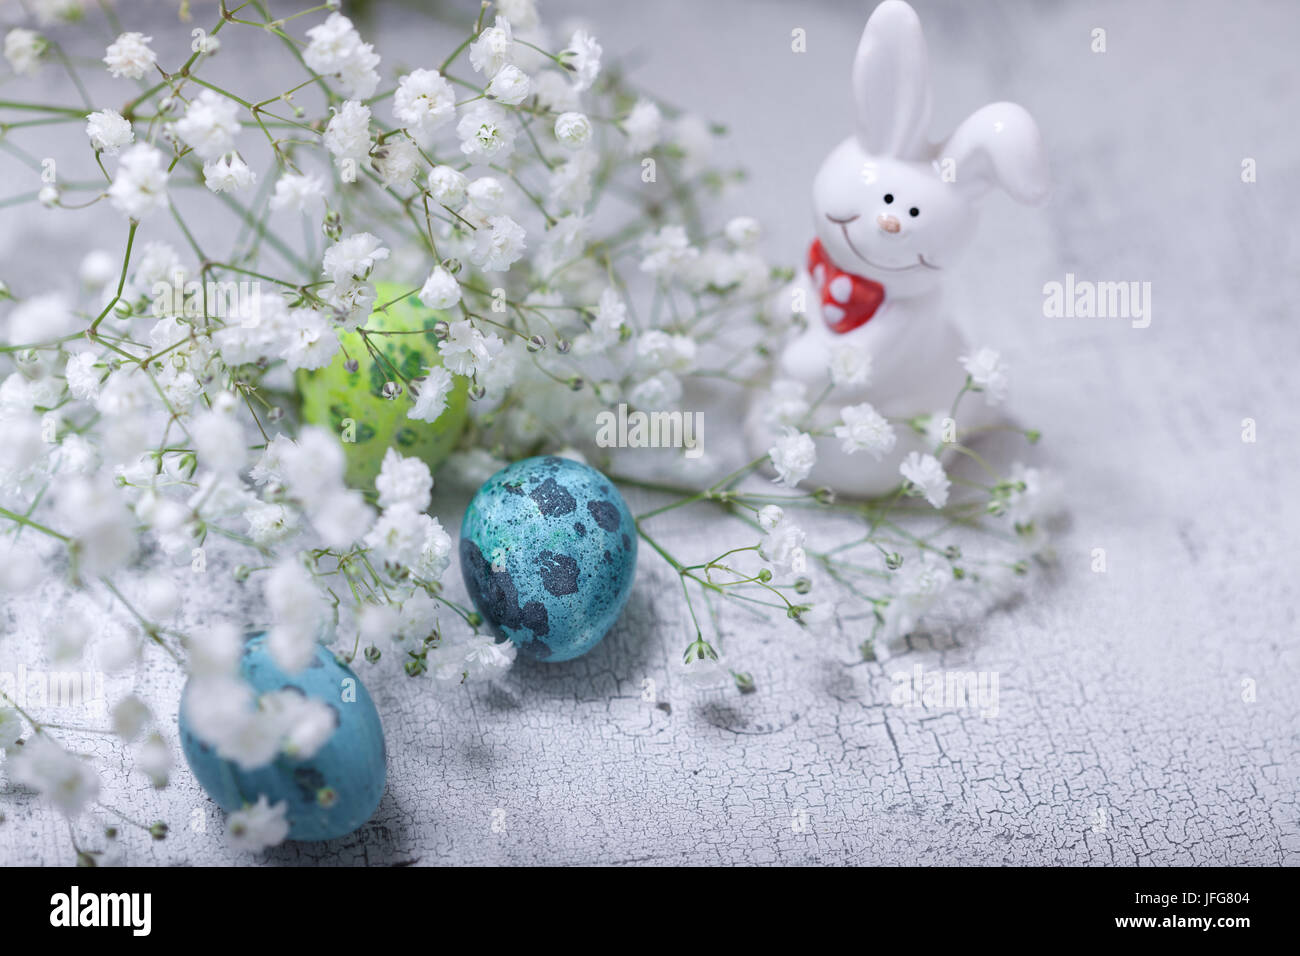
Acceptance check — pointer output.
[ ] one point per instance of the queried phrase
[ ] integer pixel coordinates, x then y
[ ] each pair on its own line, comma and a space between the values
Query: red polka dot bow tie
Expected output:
847, 301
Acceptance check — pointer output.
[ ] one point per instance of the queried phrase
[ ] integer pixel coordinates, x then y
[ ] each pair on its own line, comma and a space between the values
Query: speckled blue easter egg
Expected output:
548, 551
329, 794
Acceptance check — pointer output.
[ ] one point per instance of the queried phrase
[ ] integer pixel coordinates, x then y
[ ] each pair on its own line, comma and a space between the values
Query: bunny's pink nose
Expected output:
888, 223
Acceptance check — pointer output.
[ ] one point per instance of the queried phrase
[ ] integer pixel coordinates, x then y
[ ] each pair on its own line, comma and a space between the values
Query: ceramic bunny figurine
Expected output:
892, 211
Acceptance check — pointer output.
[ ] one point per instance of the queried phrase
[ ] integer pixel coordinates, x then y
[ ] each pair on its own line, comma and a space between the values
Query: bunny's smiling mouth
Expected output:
844, 228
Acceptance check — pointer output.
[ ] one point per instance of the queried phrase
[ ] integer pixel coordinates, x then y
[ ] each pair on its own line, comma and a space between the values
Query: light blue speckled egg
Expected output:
330, 794
548, 552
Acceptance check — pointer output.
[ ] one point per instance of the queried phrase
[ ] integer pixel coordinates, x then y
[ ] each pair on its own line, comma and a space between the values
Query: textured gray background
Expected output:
1119, 692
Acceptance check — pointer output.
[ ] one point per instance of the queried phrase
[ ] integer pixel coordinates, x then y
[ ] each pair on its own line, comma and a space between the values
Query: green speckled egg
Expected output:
333, 395
548, 553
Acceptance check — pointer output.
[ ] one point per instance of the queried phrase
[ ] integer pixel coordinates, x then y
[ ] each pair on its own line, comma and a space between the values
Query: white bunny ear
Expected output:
891, 83
999, 144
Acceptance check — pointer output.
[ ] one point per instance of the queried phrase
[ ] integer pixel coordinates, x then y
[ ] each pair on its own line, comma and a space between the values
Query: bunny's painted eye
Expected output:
889, 197
914, 212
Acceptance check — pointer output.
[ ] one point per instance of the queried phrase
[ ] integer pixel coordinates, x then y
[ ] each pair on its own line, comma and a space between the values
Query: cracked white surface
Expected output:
1122, 736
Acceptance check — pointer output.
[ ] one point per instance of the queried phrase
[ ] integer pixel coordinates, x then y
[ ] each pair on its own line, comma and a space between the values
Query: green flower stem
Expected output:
34, 525
150, 629
121, 280
41, 108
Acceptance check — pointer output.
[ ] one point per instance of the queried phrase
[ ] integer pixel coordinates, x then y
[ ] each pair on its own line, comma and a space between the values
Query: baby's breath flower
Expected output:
493, 48
97, 267
440, 290
865, 429
573, 130
341, 518
258, 826
666, 250
398, 537
554, 92
331, 45
431, 400
497, 248
642, 127
70, 783
296, 606
659, 350
214, 650
522, 14
485, 657
424, 101
988, 374
787, 402
209, 125
312, 343
466, 350
130, 56
928, 477
227, 174
692, 135
919, 585
219, 440
611, 313
510, 86
782, 547
701, 666
1035, 494
335, 48
23, 50
447, 185
435, 550
347, 135
769, 516
582, 56
485, 133
850, 365
353, 257
397, 162
403, 482
83, 377
269, 523
570, 182
793, 457
743, 231
302, 193
140, 186
657, 392
486, 194
108, 131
